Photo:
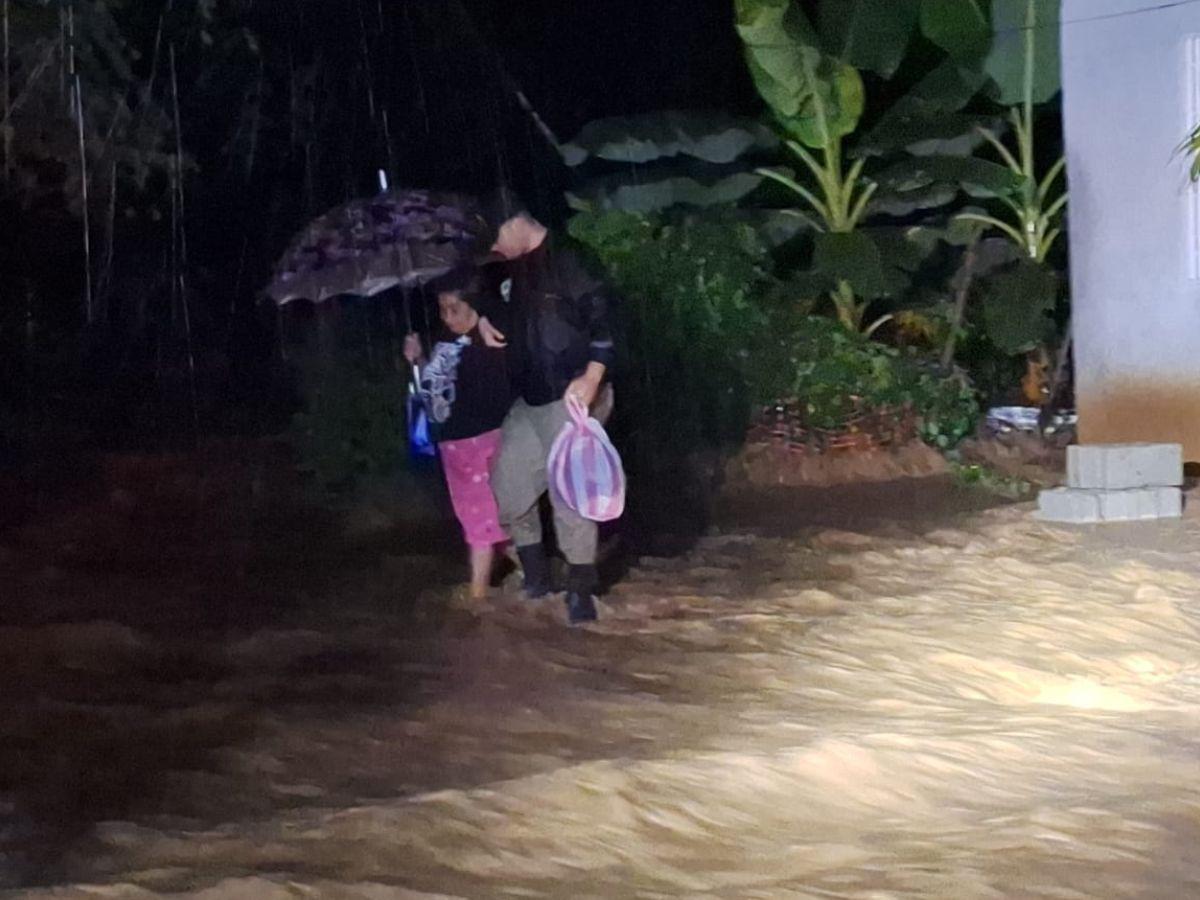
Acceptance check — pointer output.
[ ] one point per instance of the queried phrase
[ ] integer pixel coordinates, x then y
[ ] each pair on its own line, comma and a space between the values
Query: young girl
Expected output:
465, 389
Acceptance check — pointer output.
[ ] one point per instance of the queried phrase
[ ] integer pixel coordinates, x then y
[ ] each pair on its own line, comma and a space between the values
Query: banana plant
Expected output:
839, 205
840, 200
1008, 49
811, 83
1036, 209
818, 99
1024, 65
810, 78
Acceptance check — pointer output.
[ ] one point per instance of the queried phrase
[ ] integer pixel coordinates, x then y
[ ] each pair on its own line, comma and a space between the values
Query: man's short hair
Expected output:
502, 205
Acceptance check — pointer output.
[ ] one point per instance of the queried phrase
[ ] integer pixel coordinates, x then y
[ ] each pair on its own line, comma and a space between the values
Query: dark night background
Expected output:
447, 71
330, 92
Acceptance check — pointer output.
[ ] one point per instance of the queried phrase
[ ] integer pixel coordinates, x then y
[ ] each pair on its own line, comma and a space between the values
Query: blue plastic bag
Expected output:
420, 443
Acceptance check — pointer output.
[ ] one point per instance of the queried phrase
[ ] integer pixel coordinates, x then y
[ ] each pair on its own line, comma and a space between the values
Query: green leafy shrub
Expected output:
971, 475
837, 373
352, 424
947, 404
691, 307
709, 333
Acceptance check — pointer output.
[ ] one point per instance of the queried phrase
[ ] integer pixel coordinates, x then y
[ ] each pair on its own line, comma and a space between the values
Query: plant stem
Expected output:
819, 207
990, 136
1048, 182
847, 307
1030, 48
967, 273
860, 208
1031, 225
837, 186
1060, 365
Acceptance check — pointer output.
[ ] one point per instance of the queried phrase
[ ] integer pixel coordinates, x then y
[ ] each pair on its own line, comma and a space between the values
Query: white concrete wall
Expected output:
1129, 97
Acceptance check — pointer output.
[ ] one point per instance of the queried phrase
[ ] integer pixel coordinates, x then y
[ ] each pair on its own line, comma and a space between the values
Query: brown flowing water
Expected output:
995, 708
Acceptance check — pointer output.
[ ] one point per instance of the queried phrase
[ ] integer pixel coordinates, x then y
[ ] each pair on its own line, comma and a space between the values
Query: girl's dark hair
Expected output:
466, 281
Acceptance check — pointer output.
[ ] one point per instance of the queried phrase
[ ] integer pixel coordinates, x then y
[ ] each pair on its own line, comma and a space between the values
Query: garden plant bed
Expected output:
865, 430
875, 445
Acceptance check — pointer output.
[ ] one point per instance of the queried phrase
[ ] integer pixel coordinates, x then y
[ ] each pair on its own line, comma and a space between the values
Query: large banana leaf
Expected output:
618, 192
950, 134
905, 248
995, 253
929, 182
1017, 306
948, 88
874, 263
1006, 61
902, 204
978, 177
960, 27
996, 32
816, 97
714, 137
927, 119
868, 34
778, 226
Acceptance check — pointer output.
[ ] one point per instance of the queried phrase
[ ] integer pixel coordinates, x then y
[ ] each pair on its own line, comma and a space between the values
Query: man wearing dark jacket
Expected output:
560, 342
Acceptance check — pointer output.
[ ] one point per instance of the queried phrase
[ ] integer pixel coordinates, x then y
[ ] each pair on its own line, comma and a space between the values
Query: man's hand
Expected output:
586, 386
492, 337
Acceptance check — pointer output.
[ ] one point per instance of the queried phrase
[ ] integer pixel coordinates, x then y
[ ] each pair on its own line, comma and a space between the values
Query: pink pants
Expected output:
468, 467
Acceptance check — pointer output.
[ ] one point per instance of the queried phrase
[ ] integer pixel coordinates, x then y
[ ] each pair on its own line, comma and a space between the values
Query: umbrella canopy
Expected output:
399, 238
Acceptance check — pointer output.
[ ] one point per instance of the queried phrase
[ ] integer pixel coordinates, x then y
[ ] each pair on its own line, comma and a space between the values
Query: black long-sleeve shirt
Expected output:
558, 319
465, 387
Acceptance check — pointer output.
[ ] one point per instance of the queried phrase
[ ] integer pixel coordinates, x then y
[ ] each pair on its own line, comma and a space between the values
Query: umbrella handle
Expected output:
413, 369
407, 300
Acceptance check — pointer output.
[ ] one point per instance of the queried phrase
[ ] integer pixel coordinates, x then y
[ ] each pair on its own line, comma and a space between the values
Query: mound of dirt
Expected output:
767, 465
1041, 461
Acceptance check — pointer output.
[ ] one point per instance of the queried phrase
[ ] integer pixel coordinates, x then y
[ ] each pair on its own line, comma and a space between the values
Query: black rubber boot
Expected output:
536, 570
581, 590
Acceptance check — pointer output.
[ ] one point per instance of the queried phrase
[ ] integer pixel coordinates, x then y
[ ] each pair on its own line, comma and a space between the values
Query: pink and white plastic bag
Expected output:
585, 468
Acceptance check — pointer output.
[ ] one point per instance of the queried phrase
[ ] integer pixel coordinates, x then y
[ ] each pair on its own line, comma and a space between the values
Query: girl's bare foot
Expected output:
481, 571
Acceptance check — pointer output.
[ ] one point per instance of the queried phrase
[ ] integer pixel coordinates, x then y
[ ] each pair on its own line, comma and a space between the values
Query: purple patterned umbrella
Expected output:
401, 238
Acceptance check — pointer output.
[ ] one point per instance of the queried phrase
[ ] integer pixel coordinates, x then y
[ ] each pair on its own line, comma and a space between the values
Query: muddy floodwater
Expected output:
985, 707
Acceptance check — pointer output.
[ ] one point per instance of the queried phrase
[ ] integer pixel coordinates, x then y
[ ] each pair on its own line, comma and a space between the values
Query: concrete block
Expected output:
1141, 503
1069, 505
1086, 506
1118, 467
